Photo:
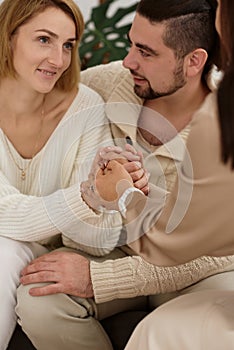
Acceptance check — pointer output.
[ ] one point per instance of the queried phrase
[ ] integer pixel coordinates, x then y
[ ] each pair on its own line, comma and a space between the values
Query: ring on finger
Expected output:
91, 187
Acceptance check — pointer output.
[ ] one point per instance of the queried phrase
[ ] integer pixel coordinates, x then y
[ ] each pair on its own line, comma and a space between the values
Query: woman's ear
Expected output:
195, 62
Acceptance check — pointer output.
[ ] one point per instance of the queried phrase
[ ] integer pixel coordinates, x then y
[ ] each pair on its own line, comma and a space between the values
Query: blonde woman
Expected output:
50, 127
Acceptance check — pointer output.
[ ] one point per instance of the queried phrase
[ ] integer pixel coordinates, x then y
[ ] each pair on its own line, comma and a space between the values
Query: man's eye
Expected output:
144, 54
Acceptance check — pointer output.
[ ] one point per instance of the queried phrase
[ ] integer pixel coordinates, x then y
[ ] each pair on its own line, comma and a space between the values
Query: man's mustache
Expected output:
136, 74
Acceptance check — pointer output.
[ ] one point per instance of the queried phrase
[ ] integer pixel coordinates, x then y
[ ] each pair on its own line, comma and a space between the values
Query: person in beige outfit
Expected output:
203, 319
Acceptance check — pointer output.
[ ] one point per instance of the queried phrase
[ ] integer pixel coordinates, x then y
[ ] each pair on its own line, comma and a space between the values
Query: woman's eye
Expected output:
68, 46
43, 39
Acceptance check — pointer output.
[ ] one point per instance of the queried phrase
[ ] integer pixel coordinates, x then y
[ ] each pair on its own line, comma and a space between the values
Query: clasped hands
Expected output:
112, 172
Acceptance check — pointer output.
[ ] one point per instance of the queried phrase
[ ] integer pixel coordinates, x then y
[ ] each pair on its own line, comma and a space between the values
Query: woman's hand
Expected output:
88, 188
134, 164
107, 194
111, 183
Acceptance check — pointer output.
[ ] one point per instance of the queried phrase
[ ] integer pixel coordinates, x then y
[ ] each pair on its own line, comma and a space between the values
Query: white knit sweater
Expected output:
48, 202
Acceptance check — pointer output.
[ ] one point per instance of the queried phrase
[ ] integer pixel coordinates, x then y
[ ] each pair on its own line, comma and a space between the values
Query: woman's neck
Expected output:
25, 114
17, 102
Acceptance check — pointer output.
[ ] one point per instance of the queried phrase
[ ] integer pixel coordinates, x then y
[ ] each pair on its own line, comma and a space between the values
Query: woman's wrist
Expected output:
125, 199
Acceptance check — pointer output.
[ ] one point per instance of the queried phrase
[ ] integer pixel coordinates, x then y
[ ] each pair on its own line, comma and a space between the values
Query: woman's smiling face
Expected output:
42, 49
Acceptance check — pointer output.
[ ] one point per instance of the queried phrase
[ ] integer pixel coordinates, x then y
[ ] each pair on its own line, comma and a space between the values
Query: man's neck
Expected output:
164, 117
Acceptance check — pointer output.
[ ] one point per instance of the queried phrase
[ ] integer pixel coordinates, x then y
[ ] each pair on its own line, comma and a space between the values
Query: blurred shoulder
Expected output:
87, 94
105, 77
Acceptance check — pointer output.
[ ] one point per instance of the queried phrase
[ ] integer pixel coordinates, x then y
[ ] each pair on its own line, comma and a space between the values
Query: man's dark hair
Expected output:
190, 24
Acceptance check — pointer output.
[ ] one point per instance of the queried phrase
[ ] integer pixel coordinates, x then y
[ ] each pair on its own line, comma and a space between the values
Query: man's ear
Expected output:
195, 62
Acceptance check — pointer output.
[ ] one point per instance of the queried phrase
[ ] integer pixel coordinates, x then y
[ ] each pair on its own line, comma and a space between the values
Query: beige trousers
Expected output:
201, 320
60, 322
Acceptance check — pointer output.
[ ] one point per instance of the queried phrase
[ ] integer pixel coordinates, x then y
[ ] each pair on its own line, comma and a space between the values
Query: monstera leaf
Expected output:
105, 39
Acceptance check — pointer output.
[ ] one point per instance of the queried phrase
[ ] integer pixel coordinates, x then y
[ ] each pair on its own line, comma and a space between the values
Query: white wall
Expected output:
87, 5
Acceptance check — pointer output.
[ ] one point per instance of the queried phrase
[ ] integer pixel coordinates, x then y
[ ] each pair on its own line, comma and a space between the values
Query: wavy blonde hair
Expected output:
15, 13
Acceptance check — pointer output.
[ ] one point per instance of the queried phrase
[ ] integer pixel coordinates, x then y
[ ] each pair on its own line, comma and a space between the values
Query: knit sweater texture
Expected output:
48, 202
133, 276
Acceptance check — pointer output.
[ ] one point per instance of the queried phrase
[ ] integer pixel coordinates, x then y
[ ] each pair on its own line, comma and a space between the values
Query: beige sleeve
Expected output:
132, 276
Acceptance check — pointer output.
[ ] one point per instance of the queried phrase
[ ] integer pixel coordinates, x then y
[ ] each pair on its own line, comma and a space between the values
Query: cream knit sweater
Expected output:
48, 202
132, 276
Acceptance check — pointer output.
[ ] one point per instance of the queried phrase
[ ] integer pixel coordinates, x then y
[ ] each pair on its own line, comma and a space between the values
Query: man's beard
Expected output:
150, 94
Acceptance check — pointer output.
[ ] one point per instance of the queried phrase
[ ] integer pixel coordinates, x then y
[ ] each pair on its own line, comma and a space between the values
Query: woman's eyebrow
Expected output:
53, 34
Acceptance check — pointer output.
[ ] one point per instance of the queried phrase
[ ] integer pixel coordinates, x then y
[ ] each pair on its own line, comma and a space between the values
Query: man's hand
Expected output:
67, 272
140, 176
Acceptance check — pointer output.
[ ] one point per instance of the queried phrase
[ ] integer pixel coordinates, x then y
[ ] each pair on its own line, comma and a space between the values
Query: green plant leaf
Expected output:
105, 39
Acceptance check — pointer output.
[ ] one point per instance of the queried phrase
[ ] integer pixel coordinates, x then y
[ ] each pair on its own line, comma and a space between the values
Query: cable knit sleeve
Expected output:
132, 276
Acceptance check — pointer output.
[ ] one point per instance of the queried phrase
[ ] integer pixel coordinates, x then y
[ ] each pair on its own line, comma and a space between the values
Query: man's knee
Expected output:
46, 309
33, 312
42, 318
